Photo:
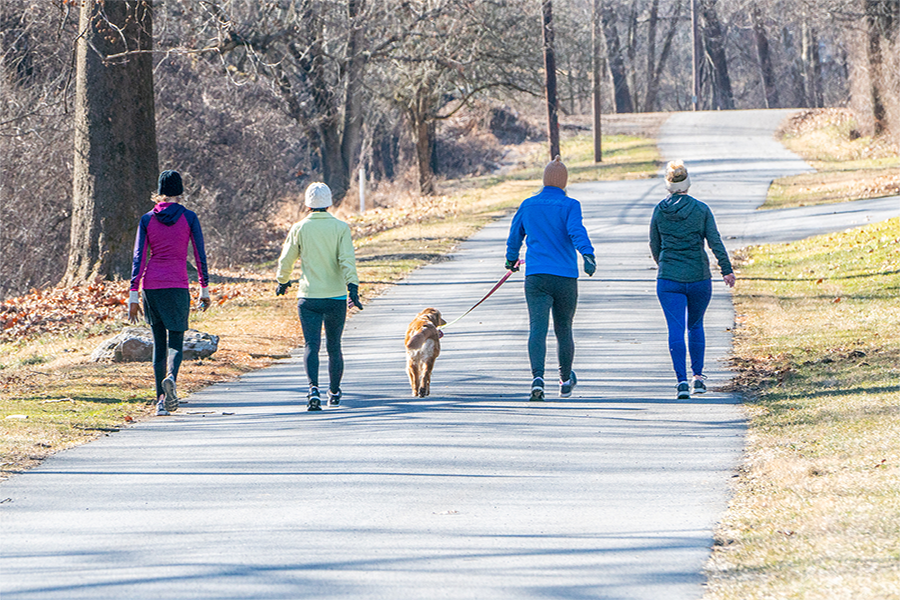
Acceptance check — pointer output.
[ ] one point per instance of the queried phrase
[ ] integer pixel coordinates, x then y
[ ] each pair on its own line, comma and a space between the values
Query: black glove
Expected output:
590, 264
353, 296
512, 265
282, 288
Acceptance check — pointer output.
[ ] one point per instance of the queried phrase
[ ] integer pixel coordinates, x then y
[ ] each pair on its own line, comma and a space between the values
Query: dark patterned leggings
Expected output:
314, 312
546, 294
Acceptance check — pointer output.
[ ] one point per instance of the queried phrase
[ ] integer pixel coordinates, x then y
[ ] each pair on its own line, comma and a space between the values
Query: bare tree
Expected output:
616, 60
765, 58
35, 142
656, 66
714, 52
451, 55
811, 65
315, 53
115, 165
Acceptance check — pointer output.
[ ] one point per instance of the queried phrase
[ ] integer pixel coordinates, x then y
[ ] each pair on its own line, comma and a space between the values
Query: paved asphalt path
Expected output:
471, 493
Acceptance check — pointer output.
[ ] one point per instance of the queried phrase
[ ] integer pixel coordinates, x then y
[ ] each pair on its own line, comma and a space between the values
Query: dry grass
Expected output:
66, 400
848, 166
816, 509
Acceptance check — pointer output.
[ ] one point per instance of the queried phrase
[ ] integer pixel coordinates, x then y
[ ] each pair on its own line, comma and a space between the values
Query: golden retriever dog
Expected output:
423, 345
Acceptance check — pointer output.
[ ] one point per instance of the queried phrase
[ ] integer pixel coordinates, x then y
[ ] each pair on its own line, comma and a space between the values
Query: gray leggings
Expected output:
559, 295
314, 312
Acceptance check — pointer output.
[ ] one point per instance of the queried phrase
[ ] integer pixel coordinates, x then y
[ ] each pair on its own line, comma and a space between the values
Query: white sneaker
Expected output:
168, 385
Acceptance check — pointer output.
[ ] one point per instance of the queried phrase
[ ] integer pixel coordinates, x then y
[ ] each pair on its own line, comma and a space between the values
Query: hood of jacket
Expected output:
168, 213
678, 207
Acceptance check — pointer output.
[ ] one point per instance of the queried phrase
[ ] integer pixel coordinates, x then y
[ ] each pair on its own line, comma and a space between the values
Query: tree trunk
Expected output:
550, 72
656, 72
334, 170
812, 68
795, 68
765, 58
423, 129
882, 23
621, 93
652, 22
311, 60
356, 64
714, 38
115, 162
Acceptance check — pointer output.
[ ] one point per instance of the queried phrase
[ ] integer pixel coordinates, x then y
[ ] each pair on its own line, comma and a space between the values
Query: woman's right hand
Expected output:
134, 309
729, 280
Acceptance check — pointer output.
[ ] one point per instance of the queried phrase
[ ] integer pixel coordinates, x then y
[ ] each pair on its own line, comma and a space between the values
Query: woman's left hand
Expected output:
729, 280
204, 303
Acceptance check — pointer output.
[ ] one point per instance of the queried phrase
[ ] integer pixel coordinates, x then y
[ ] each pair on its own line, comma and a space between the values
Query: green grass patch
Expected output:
816, 510
34, 359
624, 157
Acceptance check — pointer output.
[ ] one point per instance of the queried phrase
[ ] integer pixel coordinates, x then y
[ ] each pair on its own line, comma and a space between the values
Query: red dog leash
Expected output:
486, 296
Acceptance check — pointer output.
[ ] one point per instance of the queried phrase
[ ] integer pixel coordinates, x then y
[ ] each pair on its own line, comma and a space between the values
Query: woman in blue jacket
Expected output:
550, 224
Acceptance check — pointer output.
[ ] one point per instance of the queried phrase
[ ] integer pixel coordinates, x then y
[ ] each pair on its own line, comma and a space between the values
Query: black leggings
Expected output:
313, 313
167, 354
559, 295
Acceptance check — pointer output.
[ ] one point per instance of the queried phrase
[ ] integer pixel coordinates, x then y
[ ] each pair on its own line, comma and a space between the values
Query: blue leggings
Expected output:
684, 305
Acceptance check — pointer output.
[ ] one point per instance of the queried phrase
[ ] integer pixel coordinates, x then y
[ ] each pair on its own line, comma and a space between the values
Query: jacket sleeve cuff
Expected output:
204, 293
134, 297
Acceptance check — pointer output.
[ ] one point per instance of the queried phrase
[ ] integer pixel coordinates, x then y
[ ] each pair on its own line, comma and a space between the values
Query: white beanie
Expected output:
318, 195
678, 181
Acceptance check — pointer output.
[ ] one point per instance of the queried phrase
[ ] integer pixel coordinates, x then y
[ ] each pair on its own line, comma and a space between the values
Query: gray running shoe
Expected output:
168, 385
313, 402
565, 388
537, 390
700, 385
161, 409
684, 391
334, 398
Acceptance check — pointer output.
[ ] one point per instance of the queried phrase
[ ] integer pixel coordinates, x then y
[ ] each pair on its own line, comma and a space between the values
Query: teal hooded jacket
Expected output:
678, 229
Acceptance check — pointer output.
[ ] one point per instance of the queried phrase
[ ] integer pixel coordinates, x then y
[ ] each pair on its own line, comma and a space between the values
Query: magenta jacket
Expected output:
160, 248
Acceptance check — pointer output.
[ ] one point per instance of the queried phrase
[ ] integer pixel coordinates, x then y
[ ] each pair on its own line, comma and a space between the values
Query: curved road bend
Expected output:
471, 493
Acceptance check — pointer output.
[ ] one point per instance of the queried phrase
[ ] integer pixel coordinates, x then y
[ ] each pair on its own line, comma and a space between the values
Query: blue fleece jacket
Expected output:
550, 224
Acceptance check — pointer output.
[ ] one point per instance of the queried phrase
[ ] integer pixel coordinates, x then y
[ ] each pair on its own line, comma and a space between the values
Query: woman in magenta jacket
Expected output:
159, 268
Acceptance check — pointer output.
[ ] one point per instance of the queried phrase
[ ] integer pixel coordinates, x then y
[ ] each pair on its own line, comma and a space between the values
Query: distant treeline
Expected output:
255, 99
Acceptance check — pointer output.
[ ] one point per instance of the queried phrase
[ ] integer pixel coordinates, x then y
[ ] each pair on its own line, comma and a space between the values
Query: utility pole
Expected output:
597, 73
550, 69
695, 55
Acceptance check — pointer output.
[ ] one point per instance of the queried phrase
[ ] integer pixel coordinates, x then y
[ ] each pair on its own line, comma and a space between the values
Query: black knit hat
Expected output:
170, 184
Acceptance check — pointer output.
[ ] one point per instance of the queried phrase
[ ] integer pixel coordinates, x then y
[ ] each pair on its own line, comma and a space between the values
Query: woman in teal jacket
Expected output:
679, 228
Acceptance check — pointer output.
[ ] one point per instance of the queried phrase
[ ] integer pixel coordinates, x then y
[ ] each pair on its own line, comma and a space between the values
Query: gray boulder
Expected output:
135, 344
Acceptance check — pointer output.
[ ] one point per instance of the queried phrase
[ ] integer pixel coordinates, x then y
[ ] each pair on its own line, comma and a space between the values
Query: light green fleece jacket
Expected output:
327, 261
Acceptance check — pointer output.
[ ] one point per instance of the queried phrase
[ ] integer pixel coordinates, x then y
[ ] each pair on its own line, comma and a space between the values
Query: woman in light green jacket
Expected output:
328, 286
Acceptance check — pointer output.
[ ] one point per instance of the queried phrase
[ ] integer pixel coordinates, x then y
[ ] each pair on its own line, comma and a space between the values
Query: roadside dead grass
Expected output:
54, 398
816, 508
847, 165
